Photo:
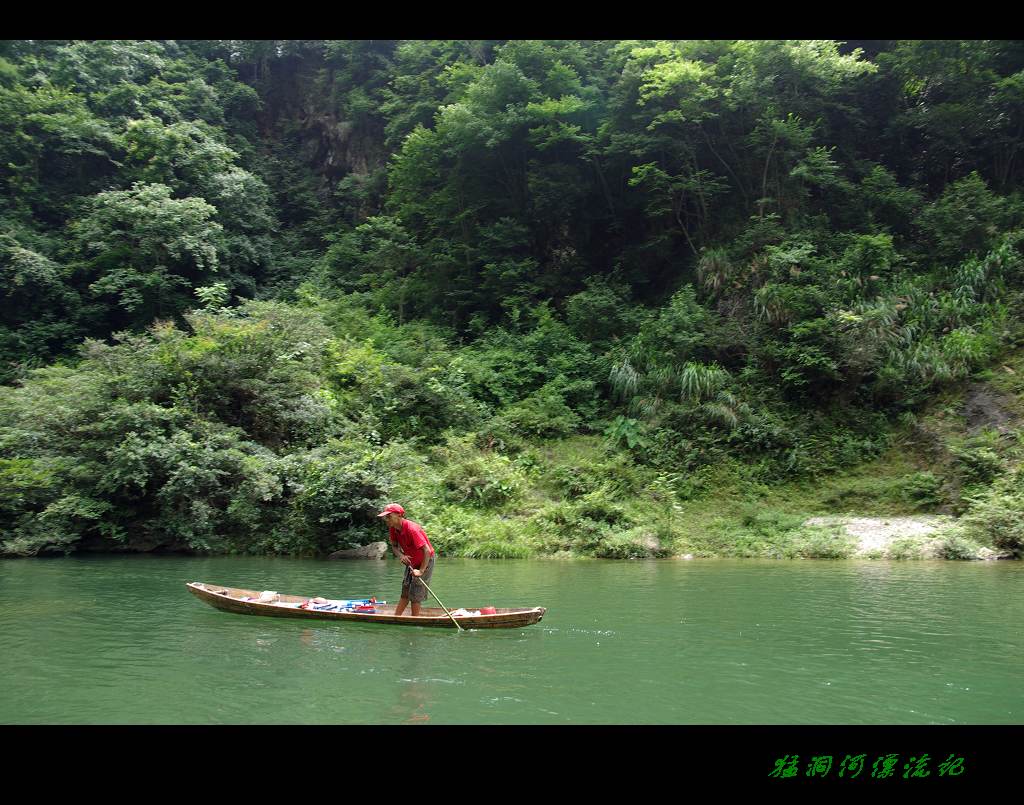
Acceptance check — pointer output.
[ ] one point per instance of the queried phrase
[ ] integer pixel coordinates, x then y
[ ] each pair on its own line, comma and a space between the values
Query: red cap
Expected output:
392, 508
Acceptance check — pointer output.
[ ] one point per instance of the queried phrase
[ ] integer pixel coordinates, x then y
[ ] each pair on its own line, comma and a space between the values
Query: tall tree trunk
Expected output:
679, 220
604, 185
728, 167
764, 179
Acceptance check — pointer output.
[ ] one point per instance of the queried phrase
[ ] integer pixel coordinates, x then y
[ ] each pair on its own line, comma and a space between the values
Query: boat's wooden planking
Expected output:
231, 599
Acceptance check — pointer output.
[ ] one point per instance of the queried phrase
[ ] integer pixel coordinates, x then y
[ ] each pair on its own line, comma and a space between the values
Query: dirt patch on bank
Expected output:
875, 535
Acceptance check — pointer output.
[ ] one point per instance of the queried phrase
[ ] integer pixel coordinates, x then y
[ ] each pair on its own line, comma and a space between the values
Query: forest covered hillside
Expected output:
560, 298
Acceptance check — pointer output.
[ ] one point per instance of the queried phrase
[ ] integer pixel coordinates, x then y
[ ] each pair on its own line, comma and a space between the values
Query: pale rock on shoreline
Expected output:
876, 534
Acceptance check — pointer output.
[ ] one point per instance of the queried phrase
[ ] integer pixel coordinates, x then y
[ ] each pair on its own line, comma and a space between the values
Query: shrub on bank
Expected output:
456, 531
954, 546
824, 542
906, 548
997, 517
475, 477
637, 543
923, 490
496, 549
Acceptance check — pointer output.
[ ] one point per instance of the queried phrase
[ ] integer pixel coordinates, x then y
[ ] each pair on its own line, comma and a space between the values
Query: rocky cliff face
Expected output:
304, 122
336, 148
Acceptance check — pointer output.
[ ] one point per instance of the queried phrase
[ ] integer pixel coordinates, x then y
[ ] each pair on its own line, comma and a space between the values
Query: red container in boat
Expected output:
488, 611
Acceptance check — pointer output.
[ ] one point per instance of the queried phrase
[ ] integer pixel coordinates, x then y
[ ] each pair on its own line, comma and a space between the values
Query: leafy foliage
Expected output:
748, 257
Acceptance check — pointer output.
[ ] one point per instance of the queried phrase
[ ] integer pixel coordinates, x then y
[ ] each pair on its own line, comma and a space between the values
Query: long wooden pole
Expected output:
446, 612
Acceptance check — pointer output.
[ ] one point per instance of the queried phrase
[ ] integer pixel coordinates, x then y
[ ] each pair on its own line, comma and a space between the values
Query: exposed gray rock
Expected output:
988, 555
375, 550
652, 544
985, 408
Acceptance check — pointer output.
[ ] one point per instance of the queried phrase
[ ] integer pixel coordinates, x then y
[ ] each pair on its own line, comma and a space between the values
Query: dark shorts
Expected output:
412, 588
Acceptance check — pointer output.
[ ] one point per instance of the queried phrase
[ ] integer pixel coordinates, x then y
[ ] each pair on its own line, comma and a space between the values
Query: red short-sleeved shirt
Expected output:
412, 539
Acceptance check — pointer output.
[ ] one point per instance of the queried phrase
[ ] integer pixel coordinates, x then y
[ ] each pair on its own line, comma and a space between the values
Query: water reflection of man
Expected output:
415, 697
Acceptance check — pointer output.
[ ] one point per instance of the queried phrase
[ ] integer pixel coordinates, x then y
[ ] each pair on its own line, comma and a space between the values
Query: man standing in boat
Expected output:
410, 545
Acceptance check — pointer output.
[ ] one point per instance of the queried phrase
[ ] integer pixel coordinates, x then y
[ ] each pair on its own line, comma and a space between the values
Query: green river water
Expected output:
119, 640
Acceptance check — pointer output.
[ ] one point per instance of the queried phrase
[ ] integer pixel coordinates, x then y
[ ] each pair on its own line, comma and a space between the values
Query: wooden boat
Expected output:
232, 599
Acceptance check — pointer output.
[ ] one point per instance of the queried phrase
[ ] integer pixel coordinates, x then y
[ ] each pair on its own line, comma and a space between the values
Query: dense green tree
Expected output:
146, 249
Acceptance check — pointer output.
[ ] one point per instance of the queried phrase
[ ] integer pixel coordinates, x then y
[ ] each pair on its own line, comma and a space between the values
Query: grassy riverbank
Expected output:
944, 488
721, 514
